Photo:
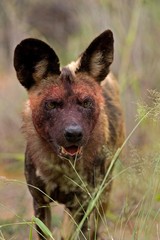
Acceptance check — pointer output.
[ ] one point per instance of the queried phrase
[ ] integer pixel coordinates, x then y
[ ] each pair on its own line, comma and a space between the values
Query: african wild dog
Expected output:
71, 118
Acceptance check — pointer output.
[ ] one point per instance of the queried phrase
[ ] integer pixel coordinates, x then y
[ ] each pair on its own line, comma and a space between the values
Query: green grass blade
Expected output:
43, 227
31, 231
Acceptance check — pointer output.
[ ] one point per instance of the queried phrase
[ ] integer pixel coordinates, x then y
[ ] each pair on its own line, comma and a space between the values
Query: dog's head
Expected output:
65, 103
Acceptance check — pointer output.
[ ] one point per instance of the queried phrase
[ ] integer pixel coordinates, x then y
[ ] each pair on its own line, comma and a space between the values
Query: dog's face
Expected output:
65, 111
65, 103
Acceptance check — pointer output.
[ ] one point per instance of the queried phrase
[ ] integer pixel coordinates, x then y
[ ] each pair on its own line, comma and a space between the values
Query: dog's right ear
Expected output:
34, 60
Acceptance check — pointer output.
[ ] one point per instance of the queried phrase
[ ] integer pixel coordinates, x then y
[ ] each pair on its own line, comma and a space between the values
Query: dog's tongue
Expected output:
71, 150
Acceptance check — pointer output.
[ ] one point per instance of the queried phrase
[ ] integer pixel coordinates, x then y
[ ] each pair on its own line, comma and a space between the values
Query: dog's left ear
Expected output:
97, 58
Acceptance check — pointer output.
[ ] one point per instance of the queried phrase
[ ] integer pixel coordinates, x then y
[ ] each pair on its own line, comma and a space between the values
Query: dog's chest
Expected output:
64, 178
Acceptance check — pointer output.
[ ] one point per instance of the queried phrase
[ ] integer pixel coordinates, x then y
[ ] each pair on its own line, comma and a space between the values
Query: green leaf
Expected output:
31, 230
43, 227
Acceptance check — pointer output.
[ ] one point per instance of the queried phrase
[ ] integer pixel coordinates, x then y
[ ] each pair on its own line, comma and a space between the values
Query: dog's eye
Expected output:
87, 104
49, 105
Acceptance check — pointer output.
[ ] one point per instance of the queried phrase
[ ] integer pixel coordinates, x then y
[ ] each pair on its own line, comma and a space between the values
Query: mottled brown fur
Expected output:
71, 117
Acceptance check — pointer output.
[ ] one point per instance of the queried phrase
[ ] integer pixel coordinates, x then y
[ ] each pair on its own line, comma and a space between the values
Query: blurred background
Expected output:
69, 26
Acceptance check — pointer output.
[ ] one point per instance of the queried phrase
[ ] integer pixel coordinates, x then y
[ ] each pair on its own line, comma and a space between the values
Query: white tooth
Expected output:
80, 150
63, 150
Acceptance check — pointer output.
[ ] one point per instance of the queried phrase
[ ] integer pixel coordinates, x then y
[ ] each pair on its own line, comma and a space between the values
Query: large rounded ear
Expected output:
33, 61
97, 58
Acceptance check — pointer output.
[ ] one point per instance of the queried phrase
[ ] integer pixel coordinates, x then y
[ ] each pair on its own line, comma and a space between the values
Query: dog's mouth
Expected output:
71, 153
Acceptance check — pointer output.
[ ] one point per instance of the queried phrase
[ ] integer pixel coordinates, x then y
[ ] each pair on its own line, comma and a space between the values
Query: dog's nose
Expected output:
73, 133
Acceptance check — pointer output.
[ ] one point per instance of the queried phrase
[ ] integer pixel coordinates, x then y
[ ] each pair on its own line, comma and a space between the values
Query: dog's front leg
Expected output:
42, 212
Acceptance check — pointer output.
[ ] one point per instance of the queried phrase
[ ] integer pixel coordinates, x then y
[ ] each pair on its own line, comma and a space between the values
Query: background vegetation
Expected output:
69, 26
